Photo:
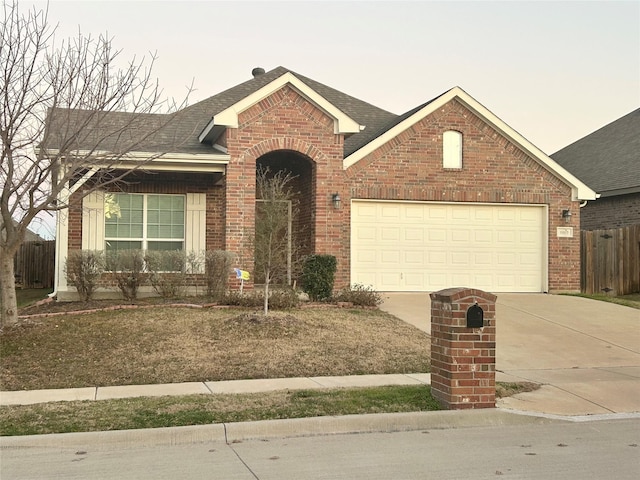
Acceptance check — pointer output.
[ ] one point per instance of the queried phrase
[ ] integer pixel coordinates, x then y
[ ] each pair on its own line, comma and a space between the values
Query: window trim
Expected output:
145, 239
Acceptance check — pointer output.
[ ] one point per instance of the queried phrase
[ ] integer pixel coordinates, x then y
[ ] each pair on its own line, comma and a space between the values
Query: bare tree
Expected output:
273, 242
67, 113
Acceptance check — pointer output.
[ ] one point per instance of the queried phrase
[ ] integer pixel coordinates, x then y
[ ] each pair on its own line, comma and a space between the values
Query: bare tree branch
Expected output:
67, 108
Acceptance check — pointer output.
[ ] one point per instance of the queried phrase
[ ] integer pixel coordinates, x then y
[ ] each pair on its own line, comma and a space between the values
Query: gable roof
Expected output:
229, 116
194, 129
608, 160
580, 191
365, 114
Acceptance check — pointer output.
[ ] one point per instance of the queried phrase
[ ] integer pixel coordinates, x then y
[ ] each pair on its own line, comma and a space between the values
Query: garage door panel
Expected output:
460, 258
390, 211
529, 259
390, 279
460, 235
390, 256
506, 215
414, 280
437, 214
413, 257
437, 235
482, 236
482, 259
415, 246
365, 233
414, 235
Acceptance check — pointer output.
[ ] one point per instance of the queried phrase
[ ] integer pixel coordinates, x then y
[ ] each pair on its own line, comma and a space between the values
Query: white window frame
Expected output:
145, 239
452, 150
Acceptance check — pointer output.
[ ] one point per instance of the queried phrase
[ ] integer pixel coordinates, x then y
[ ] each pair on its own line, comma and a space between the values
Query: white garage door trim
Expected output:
426, 246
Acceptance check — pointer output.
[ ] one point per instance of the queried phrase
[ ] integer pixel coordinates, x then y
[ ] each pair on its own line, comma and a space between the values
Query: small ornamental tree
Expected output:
273, 242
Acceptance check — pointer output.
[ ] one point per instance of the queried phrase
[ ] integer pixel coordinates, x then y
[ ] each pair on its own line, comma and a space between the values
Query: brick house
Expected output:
608, 160
444, 195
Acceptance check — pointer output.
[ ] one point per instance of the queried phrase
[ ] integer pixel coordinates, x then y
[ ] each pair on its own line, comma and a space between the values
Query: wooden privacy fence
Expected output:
34, 264
611, 261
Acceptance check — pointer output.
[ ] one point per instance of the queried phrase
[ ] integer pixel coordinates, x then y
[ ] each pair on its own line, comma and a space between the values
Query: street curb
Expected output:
285, 428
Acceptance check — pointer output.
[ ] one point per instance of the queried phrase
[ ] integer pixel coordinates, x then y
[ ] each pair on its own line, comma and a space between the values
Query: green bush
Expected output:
83, 269
167, 273
360, 295
318, 273
218, 265
128, 269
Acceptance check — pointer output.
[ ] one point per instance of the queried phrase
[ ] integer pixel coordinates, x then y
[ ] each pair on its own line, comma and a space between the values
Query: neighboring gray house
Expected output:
608, 161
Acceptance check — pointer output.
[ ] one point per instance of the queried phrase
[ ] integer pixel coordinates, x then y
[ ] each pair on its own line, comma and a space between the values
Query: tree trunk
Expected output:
266, 295
8, 299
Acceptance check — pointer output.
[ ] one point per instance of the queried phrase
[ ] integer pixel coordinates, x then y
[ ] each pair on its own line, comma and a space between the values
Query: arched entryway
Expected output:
302, 169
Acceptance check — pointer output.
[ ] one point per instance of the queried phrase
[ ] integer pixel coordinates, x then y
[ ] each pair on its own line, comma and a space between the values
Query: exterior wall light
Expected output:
566, 214
336, 201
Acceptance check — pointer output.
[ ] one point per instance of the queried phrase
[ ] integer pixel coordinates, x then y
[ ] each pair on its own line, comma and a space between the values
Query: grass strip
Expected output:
155, 412
632, 301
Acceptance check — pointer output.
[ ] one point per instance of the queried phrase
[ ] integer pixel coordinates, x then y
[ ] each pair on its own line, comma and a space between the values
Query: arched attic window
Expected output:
452, 149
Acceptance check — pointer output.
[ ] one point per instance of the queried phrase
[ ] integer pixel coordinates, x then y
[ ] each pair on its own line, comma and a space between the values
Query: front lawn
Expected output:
177, 344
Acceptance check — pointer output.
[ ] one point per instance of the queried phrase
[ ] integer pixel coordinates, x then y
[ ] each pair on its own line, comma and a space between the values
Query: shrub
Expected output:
360, 295
128, 270
279, 299
318, 274
283, 298
251, 299
167, 273
83, 269
218, 265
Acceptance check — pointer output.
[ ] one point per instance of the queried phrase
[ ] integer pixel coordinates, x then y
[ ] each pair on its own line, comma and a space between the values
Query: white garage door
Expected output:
401, 246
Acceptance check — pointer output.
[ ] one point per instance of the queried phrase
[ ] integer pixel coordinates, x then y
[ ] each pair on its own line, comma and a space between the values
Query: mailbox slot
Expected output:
475, 317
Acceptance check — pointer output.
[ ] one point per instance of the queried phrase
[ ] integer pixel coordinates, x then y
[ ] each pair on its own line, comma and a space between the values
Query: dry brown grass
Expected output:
167, 344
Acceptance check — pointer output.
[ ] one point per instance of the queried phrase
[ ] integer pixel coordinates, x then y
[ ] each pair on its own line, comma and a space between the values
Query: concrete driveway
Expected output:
585, 353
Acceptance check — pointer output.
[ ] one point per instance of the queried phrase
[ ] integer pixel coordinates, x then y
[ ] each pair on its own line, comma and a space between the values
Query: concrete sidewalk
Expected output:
29, 397
585, 353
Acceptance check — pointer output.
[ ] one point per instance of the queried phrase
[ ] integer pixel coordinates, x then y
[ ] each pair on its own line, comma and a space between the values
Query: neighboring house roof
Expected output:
608, 160
29, 236
194, 129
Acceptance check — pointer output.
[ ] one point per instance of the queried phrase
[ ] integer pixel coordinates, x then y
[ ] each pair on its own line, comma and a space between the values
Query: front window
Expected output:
144, 221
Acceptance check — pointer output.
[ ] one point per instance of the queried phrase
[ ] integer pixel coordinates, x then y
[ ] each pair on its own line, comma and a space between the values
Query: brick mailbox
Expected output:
463, 348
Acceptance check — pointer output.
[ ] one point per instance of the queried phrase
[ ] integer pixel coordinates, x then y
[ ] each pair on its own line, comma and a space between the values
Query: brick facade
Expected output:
286, 121
611, 212
409, 167
463, 359
286, 129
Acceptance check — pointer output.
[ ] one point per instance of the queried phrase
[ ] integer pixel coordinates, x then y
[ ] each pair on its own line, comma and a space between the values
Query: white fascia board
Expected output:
229, 117
175, 167
187, 162
580, 191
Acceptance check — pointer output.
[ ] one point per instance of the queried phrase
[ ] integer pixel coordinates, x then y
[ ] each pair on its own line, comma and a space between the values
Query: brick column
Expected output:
463, 360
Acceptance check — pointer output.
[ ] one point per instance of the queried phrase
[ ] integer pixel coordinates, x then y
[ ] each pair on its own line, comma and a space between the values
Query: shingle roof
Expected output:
364, 113
181, 133
608, 160
182, 129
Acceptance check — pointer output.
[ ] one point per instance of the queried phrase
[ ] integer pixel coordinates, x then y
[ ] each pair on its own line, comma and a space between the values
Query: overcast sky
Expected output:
553, 71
